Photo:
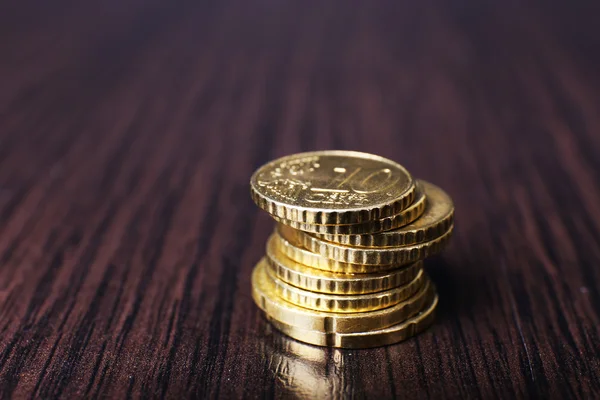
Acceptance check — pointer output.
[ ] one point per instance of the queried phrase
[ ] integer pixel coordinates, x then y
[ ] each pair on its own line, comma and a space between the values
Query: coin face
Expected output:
332, 187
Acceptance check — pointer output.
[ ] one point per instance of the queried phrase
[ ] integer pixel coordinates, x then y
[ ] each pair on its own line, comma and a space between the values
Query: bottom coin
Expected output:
264, 293
375, 338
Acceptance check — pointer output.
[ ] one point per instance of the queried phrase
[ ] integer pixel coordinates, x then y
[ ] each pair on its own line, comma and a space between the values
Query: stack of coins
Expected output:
344, 265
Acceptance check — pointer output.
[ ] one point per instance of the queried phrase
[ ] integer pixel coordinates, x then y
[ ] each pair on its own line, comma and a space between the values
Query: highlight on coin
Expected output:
344, 264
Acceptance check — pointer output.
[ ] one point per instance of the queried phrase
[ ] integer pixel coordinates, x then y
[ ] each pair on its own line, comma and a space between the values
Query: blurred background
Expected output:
128, 133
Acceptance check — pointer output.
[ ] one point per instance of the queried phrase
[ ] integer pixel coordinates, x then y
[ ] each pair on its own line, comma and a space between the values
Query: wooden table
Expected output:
128, 133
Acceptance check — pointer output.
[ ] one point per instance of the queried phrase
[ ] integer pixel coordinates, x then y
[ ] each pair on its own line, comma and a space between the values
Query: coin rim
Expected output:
407, 216
323, 281
328, 321
362, 340
347, 303
403, 236
299, 254
374, 256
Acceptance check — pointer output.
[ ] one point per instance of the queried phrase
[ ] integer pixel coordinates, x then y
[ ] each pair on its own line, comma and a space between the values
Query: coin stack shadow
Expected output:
354, 285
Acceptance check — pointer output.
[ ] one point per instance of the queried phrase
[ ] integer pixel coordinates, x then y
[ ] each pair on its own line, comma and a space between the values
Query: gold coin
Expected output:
302, 256
373, 255
434, 222
361, 340
347, 303
332, 187
265, 296
316, 280
410, 214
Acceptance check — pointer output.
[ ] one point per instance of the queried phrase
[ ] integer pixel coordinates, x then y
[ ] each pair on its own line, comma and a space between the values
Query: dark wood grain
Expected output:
129, 130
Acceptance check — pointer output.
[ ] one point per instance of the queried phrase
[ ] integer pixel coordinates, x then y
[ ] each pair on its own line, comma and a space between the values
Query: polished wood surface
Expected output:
128, 133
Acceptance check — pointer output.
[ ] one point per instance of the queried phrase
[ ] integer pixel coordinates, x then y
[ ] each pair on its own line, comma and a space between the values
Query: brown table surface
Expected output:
128, 133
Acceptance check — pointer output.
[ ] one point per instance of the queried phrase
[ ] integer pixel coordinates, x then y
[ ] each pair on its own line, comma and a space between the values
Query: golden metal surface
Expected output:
344, 266
373, 338
316, 280
303, 371
434, 222
332, 187
265, 296
342, 303
406, 216
372, 255
302, 256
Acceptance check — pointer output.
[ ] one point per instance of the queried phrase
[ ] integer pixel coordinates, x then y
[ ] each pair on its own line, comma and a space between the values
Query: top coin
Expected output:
332, 187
